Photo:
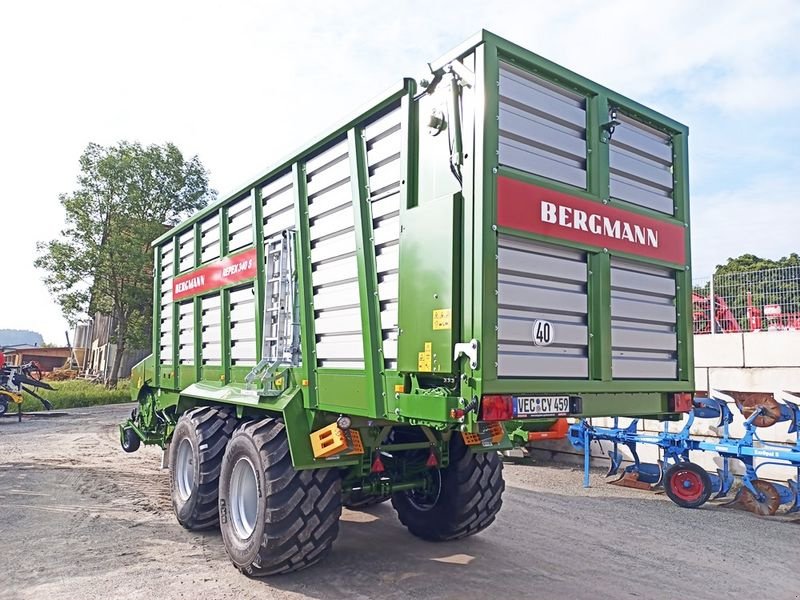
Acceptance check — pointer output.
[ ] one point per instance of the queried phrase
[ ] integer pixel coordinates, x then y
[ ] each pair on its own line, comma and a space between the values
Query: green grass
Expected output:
75, 394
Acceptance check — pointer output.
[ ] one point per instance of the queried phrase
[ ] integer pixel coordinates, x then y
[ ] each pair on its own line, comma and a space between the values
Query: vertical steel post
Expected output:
586, 456
224, 300
367, 270
711, 305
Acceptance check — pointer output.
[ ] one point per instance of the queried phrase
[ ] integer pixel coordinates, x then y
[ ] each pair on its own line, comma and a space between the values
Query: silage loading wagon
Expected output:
495, 246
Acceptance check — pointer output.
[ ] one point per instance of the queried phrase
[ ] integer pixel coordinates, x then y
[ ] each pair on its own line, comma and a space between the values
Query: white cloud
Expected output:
243, 83
759, 219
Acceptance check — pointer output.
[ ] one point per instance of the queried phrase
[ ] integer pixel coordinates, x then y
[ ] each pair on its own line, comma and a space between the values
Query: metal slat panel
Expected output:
387, 258
649, 366
385, 175
338, 320
243, 312
186, 333
243, 325
276, 187
541, 364
389, 314
186, 250
640, 163
211, 333
336, 296
241, 295
278, 202
643, 319
540, 281
277, 198
349, 347
386, 146
388, 286
384, 139
542, 127
387, 230
240, 223
209, 238
334, 275
331, 200
186, 328
279, 221
335, 271
526, 158
330, 176
243, 352
333, 223
334, 247
386, 206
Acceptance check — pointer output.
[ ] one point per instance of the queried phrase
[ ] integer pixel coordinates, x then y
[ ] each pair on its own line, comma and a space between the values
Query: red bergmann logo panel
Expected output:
554, 214
226, 271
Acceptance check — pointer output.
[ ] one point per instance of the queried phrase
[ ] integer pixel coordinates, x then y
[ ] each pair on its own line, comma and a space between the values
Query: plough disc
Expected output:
768, 502
749, 402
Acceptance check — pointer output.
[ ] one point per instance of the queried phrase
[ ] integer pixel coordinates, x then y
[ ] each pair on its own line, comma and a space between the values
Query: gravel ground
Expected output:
83, 520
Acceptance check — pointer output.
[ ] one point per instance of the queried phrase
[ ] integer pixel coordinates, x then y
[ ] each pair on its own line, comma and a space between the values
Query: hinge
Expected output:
469, 349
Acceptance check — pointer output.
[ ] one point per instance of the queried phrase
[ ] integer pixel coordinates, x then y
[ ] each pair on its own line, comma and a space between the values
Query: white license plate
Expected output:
539, 406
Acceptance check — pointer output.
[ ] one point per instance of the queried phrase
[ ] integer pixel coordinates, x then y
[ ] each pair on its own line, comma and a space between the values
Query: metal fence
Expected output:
766, 300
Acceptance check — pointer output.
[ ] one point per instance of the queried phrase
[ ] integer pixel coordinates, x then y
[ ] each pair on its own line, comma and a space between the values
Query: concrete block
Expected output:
701, 378
771, 349
755, 379
719, 350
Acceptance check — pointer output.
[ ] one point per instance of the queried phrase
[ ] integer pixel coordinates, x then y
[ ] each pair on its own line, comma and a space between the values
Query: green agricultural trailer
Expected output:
502, 242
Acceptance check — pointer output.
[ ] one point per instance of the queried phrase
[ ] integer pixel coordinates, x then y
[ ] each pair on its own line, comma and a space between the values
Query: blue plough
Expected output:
686, 483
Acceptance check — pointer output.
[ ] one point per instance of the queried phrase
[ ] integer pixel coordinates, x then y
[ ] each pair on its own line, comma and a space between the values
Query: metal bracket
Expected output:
608, 128
466, 77
165, 457
469, 350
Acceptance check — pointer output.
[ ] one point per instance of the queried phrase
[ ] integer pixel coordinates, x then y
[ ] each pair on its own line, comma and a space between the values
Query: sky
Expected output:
240, 84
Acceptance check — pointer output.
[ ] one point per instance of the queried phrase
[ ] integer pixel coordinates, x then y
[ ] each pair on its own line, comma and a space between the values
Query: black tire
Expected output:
687, 484
130, 441
292, 517
467, 497
200, 437
356, 501
3, 404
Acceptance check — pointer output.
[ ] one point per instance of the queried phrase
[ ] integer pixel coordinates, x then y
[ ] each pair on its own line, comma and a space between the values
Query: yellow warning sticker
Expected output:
441, 319
425, 359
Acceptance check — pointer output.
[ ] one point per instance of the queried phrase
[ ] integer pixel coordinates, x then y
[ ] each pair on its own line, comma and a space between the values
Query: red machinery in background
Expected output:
724, 320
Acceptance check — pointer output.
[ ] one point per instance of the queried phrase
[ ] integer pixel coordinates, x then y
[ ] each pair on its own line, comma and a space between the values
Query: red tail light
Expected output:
497, 408
681, 402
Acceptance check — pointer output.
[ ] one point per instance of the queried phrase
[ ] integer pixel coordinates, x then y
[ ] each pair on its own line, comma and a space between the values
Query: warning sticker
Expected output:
441, 319
425, 359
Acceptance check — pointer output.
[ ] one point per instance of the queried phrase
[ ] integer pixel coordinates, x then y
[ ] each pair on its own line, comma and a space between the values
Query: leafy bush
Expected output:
77, 393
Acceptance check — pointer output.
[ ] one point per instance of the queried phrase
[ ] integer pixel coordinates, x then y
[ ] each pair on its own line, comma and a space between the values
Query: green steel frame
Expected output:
377, 397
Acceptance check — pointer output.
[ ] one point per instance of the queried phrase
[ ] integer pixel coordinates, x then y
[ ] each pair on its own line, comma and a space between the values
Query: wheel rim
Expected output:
687, 485
244, 498
184, 469
425, 500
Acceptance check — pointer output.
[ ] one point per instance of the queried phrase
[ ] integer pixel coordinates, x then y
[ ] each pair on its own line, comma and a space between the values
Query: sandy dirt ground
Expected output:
83, 520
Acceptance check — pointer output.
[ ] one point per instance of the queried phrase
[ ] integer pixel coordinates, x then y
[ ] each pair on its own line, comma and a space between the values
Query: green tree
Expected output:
767, 281
127, 195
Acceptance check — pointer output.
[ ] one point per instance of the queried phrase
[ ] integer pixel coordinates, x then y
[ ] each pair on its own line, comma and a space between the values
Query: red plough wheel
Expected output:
687, 485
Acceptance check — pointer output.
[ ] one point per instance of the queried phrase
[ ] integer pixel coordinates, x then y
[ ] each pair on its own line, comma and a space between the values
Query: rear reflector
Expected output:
497, 408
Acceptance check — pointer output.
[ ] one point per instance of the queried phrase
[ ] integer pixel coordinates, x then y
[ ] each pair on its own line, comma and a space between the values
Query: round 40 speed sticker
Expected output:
543, 333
